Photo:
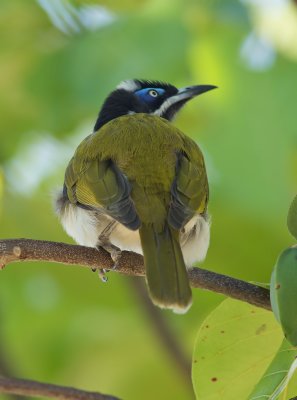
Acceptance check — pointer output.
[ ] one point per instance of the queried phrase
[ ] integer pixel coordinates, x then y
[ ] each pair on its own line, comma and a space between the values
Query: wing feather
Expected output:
98, 184
189, 192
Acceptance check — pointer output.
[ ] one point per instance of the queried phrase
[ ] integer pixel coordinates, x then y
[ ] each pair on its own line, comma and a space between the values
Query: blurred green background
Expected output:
59, 60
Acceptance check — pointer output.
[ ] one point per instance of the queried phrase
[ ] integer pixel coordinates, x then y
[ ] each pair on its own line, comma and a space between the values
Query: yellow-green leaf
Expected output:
234, 346
278, 374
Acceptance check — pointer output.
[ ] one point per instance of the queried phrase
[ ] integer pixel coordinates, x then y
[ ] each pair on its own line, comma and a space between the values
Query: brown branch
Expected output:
37, 389
130, 263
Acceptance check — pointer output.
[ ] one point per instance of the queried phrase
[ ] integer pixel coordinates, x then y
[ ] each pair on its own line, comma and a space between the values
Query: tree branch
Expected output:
130, 263
37, 389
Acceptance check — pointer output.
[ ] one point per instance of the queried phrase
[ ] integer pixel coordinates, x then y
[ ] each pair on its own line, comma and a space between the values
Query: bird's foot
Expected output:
101, 273
116, 255
114, 251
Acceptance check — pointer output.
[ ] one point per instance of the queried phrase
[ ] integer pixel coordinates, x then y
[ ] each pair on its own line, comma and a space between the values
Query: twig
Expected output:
37, 389
130, 263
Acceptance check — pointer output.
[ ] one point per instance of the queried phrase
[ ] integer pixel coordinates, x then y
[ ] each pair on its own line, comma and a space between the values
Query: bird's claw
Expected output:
115, 255
102, 275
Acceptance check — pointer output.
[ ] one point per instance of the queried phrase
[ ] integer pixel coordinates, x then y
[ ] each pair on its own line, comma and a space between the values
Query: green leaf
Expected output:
277, 375
292, 218
234, 346
283, 293
273, 298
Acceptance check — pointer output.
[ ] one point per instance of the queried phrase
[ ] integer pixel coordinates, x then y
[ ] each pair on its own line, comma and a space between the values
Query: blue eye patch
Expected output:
149, 94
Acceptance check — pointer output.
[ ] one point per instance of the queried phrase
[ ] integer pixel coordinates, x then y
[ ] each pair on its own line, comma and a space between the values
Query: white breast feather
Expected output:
196, 247
85, 226
81, 225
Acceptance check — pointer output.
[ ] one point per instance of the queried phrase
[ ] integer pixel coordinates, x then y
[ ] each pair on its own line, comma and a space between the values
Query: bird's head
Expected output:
150, 97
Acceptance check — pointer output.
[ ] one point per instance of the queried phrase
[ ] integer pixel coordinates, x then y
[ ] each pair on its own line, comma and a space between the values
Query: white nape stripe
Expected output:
168, 103
130, 85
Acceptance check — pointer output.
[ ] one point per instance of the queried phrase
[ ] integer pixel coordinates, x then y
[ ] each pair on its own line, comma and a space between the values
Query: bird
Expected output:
138, 183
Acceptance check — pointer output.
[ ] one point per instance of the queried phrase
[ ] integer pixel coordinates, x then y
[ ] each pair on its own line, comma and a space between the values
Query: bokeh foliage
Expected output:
61, 324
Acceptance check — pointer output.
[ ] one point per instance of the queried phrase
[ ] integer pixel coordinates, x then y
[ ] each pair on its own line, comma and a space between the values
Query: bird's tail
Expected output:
166, 272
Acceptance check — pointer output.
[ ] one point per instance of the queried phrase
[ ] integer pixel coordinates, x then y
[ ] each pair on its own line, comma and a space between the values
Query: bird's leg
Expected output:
104, 242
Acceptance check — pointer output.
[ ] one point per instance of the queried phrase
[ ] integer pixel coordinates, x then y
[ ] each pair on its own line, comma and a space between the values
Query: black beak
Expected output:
174, 103
193, 91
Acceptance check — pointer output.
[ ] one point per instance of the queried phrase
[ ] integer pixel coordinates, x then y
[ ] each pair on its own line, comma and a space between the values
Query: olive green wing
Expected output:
189, 191
99, 184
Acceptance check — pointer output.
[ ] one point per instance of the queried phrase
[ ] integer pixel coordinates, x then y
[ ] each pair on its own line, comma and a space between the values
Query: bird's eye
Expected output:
153, 93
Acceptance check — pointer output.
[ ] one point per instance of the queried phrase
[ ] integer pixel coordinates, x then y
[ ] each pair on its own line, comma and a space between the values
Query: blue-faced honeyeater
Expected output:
138, 183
